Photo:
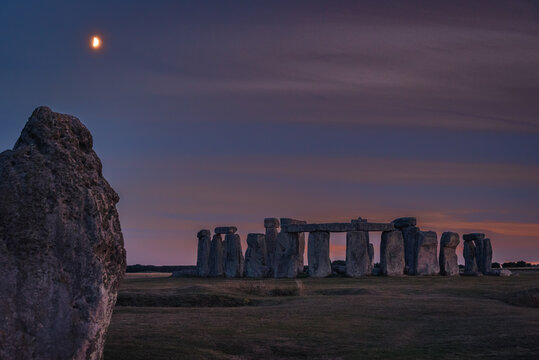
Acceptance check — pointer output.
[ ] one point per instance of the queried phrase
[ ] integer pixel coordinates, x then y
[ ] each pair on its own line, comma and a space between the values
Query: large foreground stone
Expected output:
448, 256
426, 259
289, 251
272, 231
234, 261
61, 246
203, 253
318, 254
470, 262
358, 254
392, 253
410, 252
486, 257
217, 256
255, 256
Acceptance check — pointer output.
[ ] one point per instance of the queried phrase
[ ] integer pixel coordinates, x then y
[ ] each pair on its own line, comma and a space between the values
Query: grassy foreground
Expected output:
333, 318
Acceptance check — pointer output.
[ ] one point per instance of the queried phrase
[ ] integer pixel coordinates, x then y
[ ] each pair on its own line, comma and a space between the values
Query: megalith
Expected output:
272, 231
234, 261
392, 253
318, 254
487, 257
255, 256
426, 258
289, 251
407, 225
62, 252
448, 256
217, 256
358, 254
470, 253
203, 253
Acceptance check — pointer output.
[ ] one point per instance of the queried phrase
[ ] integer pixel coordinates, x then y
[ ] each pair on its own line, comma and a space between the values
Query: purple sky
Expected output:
215, 113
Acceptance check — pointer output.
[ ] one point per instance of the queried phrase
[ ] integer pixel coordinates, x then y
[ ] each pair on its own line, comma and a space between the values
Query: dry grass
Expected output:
337, 318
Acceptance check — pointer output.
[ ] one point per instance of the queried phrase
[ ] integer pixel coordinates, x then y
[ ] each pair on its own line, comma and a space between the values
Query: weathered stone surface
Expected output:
339, 227
226, 230
217, 256
392, 253
408, 235
289, 251
61, 246
318, 254
479, 257
368, 226
448, 257
358, 254
271, 223
271, 246
473, 236
338, 267
426, 259
470, 262
255, 256
404, 222
234, 260
500, 272
203, 253
487, 257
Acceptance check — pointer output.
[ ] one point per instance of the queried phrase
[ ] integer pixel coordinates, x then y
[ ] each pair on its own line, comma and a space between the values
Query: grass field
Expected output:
332, 318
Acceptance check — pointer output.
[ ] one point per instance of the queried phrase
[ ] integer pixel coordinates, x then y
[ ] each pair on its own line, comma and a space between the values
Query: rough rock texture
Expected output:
358, 257
255, 256
272, 231
217, 256
289, 251
234, 261
470, 263
409, 237
486, 257
318, 254
473, 236
226, 230
426, 259
371, 252
404, 222
448, 257
500, 272
479, 254
392, 253
203, 253
61, 246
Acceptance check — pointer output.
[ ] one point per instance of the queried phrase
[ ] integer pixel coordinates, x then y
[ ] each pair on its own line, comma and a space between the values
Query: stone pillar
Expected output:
203, 253
487, 257
371, 253
255, 256
426, 258
318, 254
289, 251
217, 256
407, 225
392, 253
234, 261
358, 254
472, 255
448, 256
272, 231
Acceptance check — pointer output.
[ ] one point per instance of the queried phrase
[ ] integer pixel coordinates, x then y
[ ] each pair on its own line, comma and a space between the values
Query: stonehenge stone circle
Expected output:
272, 231
255, 256
217, 256
358, 254
470, 262
407, 225
318, 254
62, 252
448, 256
426, 258
289, 250
392, 253
203, 253
234, 261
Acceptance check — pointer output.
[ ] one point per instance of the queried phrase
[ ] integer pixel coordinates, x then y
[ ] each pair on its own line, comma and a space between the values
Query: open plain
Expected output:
332, 318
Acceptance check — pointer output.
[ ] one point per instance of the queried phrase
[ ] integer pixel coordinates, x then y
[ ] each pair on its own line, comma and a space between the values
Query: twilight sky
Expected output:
209, 113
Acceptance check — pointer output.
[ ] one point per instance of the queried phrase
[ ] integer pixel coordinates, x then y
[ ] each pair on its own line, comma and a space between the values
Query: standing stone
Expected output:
470, 263
426, 258
289, 251
409, 230
358, 254
62, 253
392, 253
255, 256
203, 253
371, 253
217, 256
479, 254
318, 254
448, 256
272, 231
234, 261
487, 257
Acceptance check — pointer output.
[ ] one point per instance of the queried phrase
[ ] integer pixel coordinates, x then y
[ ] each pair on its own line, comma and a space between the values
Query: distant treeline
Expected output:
153, 268
520, 263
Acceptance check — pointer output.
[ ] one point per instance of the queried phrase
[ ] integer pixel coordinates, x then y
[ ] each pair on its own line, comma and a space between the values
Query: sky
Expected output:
209, 113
